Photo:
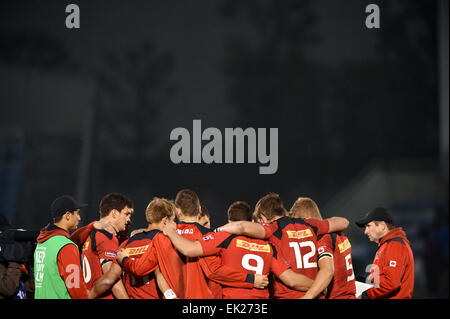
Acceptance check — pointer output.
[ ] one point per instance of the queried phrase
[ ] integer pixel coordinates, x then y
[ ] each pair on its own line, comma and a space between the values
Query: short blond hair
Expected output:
256, 217
159, 208
305, 207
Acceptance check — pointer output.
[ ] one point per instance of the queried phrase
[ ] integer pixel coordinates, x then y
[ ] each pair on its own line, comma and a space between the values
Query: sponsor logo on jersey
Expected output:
110, 254
392, 263
189, 231
344, 246
85, 246
208, 237
299, 234
252, 246
132, 251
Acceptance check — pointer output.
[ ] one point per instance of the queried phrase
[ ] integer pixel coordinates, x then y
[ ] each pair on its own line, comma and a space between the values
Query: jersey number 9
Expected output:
258, 268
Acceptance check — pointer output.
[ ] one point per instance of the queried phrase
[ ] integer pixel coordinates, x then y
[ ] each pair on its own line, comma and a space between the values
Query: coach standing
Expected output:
393, 265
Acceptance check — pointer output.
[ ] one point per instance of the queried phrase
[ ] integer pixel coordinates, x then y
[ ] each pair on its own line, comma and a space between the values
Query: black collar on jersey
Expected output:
285, 220
203, 230
92, 236
227, 242
149, 234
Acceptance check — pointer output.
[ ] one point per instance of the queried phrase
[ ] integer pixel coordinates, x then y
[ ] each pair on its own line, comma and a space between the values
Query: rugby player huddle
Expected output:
267, 252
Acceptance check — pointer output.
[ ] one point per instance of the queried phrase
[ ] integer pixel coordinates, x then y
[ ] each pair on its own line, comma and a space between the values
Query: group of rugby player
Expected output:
267, 252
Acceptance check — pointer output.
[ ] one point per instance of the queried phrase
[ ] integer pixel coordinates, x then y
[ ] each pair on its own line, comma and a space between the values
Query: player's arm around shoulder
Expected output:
336, 224
244, 228
183, 245
80, 235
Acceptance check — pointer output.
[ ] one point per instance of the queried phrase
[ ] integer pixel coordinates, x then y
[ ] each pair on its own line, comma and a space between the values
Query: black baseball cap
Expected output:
378, 214
63, 204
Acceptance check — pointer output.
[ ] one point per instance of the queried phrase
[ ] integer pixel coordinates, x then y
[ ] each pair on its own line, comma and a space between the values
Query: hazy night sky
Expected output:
197, 35
194, 32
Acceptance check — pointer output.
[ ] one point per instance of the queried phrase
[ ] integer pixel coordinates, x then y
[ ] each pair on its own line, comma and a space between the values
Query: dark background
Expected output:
362, 113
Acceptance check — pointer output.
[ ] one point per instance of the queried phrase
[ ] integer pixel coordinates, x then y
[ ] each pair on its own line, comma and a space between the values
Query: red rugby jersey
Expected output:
99, 247
200, 269
296, 239
142, 287
246, 255
160, 252
343, 284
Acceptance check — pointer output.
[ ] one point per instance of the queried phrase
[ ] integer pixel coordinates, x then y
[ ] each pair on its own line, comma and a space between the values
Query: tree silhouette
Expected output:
333, 121
134, 86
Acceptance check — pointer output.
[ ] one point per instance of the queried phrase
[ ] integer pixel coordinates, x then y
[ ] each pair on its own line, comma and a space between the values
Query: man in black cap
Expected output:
56, 258
392, 270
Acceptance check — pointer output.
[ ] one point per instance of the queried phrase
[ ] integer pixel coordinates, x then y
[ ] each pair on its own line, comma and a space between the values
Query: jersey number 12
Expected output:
305, 260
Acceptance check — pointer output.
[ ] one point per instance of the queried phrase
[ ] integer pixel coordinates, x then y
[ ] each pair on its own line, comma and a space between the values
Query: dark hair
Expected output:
388, 225
114, 201
188, 201
240, 211
57, 219
270, 206
204, 211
